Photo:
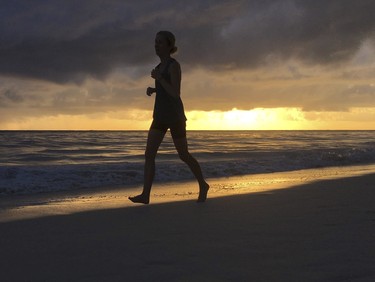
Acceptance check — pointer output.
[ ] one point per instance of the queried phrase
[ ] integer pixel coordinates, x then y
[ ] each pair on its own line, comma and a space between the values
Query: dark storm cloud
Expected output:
67, 41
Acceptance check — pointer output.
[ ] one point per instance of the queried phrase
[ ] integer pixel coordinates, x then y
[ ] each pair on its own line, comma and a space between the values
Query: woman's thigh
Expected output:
154, 139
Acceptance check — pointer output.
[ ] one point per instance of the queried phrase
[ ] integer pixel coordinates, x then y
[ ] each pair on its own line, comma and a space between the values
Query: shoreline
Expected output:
20, 207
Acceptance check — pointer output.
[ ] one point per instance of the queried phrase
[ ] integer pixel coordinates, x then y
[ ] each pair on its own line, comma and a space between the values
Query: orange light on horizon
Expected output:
235, 119
255, 119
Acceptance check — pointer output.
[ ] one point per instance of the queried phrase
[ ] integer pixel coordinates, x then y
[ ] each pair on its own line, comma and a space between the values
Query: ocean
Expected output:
46, 161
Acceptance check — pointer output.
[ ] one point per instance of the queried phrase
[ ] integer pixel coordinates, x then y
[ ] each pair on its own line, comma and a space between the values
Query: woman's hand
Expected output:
156, 74
150, 90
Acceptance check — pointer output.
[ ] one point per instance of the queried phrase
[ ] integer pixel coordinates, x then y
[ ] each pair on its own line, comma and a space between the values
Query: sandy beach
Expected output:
308, 225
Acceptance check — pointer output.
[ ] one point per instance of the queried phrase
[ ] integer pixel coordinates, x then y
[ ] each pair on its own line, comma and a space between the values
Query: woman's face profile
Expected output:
161, 45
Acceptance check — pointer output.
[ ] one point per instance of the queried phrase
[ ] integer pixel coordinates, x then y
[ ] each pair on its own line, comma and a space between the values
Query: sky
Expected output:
262, 64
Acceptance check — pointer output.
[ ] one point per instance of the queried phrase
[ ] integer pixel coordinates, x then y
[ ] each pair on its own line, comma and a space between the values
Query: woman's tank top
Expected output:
167, 109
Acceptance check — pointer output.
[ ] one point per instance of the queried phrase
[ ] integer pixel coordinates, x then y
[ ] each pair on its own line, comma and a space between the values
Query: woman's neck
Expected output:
165, 58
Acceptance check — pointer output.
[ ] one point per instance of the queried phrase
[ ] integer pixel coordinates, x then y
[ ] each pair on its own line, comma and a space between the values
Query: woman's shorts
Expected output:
178, 129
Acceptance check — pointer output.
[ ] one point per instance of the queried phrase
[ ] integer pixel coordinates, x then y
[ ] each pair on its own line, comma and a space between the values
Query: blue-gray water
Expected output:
42, 161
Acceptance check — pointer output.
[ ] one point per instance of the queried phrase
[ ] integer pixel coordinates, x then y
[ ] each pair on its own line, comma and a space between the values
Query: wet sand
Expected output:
311, 225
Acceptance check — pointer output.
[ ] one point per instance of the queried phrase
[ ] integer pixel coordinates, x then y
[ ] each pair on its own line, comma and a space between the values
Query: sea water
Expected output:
43, 161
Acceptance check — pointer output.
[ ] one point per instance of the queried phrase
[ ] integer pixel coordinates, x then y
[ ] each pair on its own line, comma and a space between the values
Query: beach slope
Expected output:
313, 231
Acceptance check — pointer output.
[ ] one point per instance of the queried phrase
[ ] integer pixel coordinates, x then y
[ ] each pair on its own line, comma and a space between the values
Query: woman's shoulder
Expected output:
174, 64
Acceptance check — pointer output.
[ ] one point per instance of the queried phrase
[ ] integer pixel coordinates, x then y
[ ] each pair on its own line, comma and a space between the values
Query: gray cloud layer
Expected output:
67, 41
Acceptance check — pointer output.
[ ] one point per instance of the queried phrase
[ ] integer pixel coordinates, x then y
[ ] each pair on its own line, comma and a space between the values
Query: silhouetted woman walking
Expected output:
168, 113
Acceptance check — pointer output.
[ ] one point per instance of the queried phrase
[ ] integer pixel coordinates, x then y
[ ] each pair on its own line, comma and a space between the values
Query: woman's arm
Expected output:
172, 88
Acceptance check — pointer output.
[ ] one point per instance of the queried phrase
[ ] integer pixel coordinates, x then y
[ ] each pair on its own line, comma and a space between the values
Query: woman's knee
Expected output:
150, 155
184, 156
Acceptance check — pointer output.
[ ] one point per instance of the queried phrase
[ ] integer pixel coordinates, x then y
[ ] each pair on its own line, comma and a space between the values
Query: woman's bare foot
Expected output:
203, 190
141, 199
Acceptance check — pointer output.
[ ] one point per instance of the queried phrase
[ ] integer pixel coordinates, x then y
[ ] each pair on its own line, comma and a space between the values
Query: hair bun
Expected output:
174, 50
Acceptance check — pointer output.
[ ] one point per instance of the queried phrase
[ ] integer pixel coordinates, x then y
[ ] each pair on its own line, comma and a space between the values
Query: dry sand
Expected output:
311, 225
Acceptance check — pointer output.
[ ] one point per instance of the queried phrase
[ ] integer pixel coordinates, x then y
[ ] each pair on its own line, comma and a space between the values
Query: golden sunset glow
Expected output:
281, 119
256, 119
238, 119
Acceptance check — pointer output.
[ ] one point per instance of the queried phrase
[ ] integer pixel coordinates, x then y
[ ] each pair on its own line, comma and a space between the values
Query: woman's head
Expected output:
165, 42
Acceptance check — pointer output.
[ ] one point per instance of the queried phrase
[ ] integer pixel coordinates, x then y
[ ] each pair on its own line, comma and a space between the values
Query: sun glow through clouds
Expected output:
255, 119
